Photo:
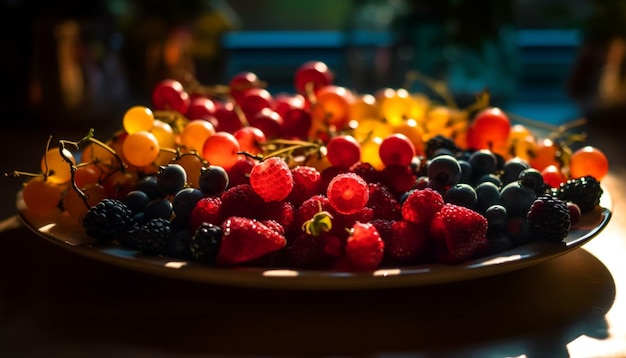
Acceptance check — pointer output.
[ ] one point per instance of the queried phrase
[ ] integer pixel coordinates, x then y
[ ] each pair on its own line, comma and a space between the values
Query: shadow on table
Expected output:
59, 304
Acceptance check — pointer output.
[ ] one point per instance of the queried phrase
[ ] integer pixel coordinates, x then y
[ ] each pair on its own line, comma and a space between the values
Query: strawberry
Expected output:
459, 233
409, 243
246, 239
207, 210
342, 223
272, 179
309, 209
364, 248
421, 205
306, 183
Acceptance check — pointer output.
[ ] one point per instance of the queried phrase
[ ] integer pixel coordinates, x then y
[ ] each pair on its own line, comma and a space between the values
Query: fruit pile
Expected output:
322, 178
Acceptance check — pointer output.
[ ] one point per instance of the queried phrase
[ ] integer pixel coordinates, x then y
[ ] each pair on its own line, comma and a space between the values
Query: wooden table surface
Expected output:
54, 303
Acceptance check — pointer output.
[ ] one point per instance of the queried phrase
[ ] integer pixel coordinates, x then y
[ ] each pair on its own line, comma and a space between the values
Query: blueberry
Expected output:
159, 208
148, 185
461, 194
443, 171
483, 162
532, 179
466, 171
492, 178
512, 169
136, 200
517, 199
488, 194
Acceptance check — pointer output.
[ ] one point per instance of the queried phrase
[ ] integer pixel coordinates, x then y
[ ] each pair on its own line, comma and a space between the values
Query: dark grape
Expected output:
213, 180
171, 178
159, 208
185, 200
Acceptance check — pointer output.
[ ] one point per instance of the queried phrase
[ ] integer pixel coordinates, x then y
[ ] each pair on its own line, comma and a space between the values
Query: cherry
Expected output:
170, 95
241, 82
343, 151
396, 149
314, 74
268, 121
489, 130
250, 139
201, 108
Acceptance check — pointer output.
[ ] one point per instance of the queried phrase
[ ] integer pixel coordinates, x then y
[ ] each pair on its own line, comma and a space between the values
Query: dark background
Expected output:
76, 63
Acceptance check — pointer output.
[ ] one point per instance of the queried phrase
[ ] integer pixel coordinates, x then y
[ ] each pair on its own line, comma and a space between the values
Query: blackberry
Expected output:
205, 243
129, 238
549, 218
108, 220
440, 142
584, 192
153, 236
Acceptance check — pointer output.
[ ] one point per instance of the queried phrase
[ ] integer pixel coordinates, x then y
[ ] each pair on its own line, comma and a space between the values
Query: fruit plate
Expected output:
58, 230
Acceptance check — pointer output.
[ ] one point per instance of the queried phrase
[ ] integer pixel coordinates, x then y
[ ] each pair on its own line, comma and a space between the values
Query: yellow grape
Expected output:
57, 169
164, 134
369, 152
140, 148
419, 107
195, 133
41, 197
370, 128
397, 107
138, 118
364, 107
104, 159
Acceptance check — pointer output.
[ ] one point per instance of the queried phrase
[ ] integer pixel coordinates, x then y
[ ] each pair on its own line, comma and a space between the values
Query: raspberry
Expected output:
383, 202
282, 212
584, 192
153, 236
365, 249
312, 252
420, 206
108, 220
366, 171
240, 200
272, 179
307, 182
205, 243
398, 178
459, 233
347, 193
207, 210
549, 218
342, 223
